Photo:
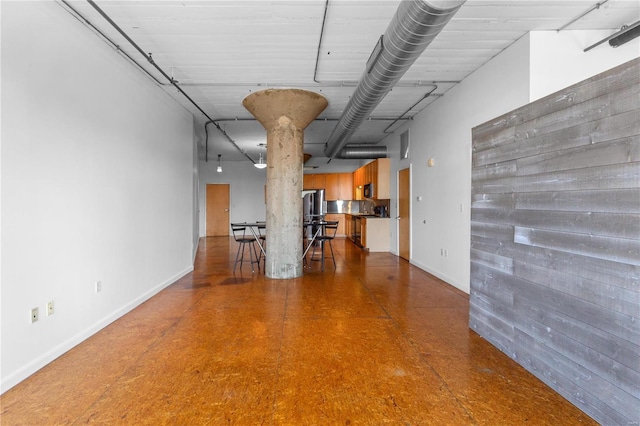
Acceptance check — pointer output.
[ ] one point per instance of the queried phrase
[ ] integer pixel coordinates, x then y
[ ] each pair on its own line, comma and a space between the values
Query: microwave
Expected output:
367, 191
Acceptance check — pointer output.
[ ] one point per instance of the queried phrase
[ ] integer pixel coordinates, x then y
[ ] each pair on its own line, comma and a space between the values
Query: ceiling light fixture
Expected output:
219, 169
260, 164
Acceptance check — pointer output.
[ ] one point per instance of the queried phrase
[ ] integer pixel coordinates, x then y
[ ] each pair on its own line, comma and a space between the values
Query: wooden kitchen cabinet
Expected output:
332, 186
358, 181
382, 176
363, 232
345, 185
377, 172
340, 218
320, 182
308, 181
314, 181
374, 234
337, 186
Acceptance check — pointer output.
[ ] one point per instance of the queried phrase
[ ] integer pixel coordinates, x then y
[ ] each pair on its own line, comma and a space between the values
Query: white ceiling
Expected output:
221, 51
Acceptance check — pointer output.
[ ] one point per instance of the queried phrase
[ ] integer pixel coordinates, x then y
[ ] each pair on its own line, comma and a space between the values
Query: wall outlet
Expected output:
50, 308
98, 286
34, 315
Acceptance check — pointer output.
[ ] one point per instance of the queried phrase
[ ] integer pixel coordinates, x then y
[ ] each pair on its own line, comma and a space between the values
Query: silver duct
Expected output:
413, 27
362, 152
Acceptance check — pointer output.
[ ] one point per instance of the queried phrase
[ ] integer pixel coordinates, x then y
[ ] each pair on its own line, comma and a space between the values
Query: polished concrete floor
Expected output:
375, 341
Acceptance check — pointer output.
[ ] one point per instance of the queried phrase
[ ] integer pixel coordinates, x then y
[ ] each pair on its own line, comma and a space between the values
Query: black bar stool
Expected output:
262, 235
327, 234
246, 241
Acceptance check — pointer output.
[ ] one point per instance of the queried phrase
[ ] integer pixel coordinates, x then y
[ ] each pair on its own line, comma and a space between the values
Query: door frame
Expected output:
398, 220
206, 203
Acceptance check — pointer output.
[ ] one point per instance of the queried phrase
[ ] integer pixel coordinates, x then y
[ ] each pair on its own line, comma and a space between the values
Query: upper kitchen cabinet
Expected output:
381, 175
345, 186
314, 181
337, 186
378, 173
332, 186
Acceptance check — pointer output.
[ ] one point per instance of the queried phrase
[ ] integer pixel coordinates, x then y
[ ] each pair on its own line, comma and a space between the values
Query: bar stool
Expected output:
245, 241
262, 236
327, 234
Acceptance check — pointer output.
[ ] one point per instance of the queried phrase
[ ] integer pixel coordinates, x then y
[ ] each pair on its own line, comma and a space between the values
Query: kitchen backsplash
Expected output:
354, 206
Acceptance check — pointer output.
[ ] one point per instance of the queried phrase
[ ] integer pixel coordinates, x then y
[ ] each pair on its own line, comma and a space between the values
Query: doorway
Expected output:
217, 221
404, 208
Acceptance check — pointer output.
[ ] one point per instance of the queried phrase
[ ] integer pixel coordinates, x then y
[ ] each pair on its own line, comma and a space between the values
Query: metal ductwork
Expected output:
362, 152
413, 27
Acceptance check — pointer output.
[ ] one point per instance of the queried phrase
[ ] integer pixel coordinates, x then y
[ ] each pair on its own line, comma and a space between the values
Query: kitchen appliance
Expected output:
380, 211
314, 205
368, 191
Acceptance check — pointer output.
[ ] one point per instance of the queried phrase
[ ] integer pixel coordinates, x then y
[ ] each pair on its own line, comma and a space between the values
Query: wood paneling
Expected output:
555, 241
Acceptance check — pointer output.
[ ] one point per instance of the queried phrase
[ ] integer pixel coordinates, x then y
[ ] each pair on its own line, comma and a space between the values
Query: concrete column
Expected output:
284, 113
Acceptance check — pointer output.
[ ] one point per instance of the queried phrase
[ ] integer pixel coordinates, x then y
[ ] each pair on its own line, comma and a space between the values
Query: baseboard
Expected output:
451, 281
46, 358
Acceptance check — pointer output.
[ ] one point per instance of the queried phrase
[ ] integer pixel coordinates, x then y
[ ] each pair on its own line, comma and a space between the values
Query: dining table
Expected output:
316, 225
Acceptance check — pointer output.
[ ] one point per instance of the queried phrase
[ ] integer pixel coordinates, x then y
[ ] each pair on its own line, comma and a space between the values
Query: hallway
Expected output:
377, 341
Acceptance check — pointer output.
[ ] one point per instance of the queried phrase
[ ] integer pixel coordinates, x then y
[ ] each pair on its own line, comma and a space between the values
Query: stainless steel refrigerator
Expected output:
314, 205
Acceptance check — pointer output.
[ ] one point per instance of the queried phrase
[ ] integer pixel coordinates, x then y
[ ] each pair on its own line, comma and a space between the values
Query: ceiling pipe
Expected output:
171, 80
426, 95
626, 34
73, 12
582, 15
412, 29
324, 20
362, 152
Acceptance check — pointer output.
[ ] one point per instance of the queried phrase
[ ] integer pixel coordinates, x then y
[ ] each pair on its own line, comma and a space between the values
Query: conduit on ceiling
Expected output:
582, 15
412, 29
149, 58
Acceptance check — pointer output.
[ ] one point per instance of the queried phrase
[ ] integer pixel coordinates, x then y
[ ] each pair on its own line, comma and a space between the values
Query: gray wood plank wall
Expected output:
555, 241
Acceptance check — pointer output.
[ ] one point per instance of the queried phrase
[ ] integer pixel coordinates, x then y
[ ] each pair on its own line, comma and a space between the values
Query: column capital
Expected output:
300, 106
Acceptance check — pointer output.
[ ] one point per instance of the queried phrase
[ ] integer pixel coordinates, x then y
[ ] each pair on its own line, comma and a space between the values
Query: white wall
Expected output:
538, 64
246, 190
558, 59
196, 196
443, 132
97, 184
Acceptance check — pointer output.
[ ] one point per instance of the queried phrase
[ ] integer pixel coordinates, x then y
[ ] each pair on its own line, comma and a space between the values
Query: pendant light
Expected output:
219, 169
260, 164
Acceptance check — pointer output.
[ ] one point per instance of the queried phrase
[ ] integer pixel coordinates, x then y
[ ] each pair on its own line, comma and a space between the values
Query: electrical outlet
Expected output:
34, 315
98, 286
50, 308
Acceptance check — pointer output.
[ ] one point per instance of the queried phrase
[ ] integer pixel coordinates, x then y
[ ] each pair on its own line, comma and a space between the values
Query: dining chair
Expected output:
262, 236
245, 241
327, 234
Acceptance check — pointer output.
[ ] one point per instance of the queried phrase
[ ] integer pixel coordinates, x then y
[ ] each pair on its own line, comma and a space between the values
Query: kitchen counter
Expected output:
367, 215
371, 238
